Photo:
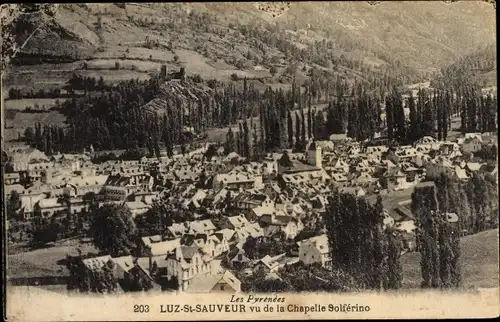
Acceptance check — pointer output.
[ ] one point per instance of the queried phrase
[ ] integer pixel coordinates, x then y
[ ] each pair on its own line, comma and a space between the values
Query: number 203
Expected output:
141, 308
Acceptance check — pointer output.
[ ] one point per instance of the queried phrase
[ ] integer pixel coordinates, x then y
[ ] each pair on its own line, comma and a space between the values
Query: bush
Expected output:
234, 77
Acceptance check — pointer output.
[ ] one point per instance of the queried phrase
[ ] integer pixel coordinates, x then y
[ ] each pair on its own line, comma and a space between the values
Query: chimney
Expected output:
150, 263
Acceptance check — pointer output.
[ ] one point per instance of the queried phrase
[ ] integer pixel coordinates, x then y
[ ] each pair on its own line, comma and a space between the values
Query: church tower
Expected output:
314, 155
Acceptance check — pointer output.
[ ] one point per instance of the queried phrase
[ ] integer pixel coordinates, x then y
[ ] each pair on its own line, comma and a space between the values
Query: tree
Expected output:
85, 279
29, 135
358, 243
320, 130
46, 232
176, 58
13, 204
298, 141
438, 233
290, 128
230, 144
399, 121
113, 230
395, 269
309, 121
389, 117
425, 207
273, 70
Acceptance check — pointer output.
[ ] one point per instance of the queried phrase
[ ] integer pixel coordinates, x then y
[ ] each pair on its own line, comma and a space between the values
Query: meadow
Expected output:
479, 262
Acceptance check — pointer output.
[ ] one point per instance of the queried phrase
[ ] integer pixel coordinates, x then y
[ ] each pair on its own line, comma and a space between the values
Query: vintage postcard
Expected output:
249, 160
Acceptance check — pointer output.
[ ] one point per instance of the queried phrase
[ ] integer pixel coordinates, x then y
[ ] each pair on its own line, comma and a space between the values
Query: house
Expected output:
363, 178
22, 157
289, 225
155, 246
120, 187
233, 222
478, 136
237, 180
48, 207
447, 148
271, 264
186, 262
250, 200
237, 257
395, 180
356, 191
461, 173
137, 207
376, 151
79, 186
407, 154
216, 245
471, 145
11, 178
473, 166
215, 283
315, 250
123, 265
407, 226
202, 227
340, 166
229, 235
196, 200
97, 263
339, 178
246, 231
177, 230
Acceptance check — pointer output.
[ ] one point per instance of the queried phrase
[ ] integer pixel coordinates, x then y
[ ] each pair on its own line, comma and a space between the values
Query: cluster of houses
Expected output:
278, 196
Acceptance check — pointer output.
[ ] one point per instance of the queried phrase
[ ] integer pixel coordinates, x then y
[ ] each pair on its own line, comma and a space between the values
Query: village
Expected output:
233, 204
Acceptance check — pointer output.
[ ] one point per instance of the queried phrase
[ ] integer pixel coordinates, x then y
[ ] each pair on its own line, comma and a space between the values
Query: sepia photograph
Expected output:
249, 160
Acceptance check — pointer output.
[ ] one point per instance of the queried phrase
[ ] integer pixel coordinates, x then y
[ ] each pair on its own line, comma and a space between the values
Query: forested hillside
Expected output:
478, 68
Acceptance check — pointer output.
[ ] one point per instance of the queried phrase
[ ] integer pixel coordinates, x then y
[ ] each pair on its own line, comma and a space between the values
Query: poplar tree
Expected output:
414, 124
290, 129
298, 141
389, 117
230, 144
309, 120
425, 207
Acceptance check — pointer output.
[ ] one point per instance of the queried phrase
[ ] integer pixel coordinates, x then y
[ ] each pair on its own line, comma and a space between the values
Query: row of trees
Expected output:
445, 210
478, 113
17, 93
438, 238
429, 115
360, 244
475, 201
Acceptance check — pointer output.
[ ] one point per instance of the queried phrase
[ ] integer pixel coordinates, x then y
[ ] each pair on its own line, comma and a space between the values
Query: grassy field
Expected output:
23, 120
138, 65
113, 76
21, 104
479, 260
135, 53
43, 263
